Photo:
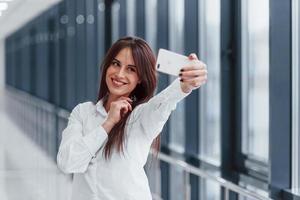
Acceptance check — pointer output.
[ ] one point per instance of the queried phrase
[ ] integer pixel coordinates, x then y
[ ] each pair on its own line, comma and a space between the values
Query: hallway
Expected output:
26, 172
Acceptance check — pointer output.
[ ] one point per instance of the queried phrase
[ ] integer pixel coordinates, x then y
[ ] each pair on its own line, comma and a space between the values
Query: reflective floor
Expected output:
26, 172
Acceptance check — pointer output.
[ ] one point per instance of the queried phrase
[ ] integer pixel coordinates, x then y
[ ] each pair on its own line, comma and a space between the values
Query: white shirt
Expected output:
122, 177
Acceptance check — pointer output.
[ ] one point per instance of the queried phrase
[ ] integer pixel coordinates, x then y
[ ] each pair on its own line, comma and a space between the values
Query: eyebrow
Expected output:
120, 62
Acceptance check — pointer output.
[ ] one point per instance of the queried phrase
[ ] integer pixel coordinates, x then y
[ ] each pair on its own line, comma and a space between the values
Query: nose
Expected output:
121, 72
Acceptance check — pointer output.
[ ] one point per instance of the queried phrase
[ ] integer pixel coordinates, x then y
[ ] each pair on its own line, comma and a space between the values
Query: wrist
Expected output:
109, 122
108, 125
185, 88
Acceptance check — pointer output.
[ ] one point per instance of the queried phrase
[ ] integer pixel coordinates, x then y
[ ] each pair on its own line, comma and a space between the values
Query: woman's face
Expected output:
121, 76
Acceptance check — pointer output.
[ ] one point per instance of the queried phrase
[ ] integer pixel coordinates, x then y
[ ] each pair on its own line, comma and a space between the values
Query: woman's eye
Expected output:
114, 63
131, 69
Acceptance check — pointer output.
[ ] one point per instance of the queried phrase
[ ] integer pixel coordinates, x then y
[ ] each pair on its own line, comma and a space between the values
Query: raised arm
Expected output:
152, 116
76, 150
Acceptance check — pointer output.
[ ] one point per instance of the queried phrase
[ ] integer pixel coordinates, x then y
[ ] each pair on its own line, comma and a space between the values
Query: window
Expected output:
177, 118
210, 190
92, 38
115, 20
130, 17
151, 25
32, 60
177, 183
61, 36
255, 79
209, 46
153, 165
140, 15
119, 19
52, 62
70, 51
176, 41
80, 57
100, 34
209, 101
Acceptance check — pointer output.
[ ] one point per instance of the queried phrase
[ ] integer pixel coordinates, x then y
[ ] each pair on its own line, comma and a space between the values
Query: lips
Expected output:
117, 82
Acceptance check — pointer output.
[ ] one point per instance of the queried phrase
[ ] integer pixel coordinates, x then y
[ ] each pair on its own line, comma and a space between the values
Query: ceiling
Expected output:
19, 12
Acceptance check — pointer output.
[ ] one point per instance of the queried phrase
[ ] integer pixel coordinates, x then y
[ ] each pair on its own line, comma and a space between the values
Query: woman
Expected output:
106, 144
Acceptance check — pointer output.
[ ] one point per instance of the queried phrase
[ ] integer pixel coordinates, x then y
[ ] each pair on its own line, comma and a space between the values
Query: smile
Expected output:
117, 83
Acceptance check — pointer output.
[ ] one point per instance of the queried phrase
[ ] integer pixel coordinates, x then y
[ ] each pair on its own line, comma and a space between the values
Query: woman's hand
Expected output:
116, 111
193, 76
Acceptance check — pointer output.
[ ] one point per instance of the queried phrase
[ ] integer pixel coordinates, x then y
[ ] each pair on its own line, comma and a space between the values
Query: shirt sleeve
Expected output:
76, 150
153, 114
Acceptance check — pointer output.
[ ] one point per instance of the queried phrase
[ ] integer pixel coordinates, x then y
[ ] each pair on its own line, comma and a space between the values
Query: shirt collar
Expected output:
100, 108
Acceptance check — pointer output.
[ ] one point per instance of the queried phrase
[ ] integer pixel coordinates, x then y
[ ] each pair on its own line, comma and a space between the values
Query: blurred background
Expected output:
237, 137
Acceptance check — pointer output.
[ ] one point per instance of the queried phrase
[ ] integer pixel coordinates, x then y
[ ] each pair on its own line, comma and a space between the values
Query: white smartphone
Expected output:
169, 62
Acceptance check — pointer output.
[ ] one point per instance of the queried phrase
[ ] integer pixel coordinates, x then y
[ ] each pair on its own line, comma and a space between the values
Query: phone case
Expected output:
170, 63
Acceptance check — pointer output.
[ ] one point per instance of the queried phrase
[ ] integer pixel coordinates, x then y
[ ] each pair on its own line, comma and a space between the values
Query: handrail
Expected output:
201, 173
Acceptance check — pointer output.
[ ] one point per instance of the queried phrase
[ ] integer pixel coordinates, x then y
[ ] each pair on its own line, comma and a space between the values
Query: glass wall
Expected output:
255, 78
209, 101
115, 16
150, 20
153, 165
130, 17
210, 190
209, 46
176, 41
177, 118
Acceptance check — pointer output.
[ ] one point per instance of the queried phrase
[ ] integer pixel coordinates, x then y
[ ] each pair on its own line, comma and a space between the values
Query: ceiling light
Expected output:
6, 0
3, 6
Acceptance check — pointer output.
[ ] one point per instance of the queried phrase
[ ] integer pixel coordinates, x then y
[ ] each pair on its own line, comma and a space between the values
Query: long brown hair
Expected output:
144, 59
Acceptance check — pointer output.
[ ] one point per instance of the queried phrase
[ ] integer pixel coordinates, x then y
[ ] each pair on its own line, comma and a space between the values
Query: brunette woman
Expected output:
106, 144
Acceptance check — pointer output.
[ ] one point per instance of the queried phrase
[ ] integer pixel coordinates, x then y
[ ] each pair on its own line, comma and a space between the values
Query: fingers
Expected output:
119, 108
193, 56
125, 106
193, 73
123, 111
196, 65
127, 101
195, 82
126, 98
